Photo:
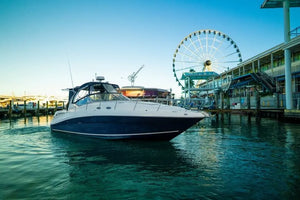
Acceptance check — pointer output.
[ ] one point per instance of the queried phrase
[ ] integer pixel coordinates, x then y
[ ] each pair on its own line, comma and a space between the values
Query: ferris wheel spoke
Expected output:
211, 49
230, 54
196, 49
213, 44
231, 61
223, 68
197, 56
201, 46
206, 43
229, 45
184, 61
184, 54
220, 45
219, 68
190, 67
192, 42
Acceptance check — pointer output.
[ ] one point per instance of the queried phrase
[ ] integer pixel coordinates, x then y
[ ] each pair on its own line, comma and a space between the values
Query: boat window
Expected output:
81, 94
98, 92
113, 97
98, 88
110, 88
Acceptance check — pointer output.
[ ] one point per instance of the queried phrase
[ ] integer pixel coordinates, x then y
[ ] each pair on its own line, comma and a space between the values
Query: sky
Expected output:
113, 38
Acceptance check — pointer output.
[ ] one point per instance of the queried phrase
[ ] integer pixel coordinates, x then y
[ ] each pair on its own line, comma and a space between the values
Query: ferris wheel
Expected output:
205, 51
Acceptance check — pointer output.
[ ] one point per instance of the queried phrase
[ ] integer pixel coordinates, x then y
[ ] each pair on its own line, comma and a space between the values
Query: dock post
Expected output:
227, 102
10, 109
257, 96
24, 112
240, 99
248, 99
277, 100
222, 99
47, 108
38, 108
55, 107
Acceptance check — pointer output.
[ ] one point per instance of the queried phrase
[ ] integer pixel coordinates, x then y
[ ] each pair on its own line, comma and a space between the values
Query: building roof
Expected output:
279, 3
198, 75
293, 44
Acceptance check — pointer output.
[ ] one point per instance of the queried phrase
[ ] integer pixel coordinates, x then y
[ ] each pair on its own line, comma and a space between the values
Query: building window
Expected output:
297, 84
281, 85
296, 56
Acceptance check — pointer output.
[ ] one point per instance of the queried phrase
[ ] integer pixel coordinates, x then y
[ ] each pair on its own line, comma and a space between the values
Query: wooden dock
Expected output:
15, 112
293, 115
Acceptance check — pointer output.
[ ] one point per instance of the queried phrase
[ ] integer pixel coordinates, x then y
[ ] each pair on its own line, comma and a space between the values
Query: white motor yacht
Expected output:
99, 110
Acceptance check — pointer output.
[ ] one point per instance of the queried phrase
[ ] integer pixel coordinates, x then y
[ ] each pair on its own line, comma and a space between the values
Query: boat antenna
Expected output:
70, 73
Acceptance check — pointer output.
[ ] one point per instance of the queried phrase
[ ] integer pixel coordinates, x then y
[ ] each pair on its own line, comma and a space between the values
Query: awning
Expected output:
198, 75
279, 3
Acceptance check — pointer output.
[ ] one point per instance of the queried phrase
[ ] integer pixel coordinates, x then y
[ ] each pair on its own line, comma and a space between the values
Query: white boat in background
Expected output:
99, 110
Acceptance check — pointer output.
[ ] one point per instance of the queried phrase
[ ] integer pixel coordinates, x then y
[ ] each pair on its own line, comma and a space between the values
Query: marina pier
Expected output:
12, 107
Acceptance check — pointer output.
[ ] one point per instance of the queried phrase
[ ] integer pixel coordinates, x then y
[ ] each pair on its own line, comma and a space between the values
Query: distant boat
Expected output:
97, 109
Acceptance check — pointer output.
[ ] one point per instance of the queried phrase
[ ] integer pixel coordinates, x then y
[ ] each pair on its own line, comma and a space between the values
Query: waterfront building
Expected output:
270, 79
256, 82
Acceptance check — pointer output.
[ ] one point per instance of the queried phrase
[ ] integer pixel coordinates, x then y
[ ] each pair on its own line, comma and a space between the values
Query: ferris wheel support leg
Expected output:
189, 90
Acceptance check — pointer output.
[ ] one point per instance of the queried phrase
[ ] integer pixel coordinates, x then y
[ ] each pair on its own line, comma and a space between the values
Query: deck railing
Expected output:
295, 32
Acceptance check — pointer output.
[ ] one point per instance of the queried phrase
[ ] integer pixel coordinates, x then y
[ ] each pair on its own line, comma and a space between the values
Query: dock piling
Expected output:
24, 111
46, 107
10, 109
38, 108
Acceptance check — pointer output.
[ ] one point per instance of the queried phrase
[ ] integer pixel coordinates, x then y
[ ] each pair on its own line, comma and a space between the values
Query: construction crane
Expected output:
133, 76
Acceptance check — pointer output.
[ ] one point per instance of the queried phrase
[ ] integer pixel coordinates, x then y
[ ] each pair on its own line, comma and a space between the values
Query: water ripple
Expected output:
233, 158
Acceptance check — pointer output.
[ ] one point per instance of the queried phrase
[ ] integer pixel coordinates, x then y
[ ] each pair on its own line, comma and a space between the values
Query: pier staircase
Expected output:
265, 80
261, 78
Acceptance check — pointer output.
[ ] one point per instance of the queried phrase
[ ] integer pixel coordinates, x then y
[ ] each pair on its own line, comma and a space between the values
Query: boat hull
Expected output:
126, 127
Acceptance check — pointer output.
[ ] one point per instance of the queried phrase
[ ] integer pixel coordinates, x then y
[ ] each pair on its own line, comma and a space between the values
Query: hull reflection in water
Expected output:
147, 154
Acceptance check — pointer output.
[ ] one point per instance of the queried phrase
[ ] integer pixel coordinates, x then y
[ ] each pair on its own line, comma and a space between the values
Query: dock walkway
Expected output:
272, 113
15, 113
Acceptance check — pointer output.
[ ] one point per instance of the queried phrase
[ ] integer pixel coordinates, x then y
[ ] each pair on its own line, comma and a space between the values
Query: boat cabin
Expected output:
94, 92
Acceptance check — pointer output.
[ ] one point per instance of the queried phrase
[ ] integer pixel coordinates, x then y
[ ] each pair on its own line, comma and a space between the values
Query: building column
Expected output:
258, 65
287, 56
253, 70
189, 90
272, 63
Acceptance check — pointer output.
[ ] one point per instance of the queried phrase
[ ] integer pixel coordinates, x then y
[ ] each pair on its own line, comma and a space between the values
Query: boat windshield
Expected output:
95, 92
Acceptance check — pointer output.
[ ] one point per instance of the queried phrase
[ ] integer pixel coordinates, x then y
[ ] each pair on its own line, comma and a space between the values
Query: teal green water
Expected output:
232, 158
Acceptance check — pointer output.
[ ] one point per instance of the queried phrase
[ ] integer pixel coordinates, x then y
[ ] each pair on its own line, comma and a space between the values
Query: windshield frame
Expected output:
97, 92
